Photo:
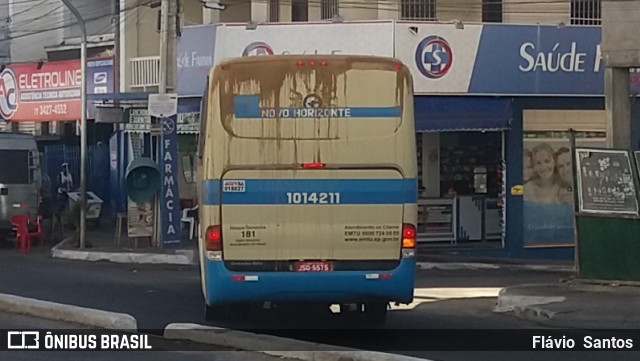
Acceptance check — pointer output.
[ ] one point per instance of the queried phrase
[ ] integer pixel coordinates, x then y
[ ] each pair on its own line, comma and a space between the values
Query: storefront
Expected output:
494, 106
461, 158
194, 61
139, 142
487, 97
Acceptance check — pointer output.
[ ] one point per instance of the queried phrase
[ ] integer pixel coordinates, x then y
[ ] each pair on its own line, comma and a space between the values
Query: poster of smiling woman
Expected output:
548, 207
548, 193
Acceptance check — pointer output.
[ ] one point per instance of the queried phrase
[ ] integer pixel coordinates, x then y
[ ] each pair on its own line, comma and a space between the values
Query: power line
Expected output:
396, 5
61, 20
10, 38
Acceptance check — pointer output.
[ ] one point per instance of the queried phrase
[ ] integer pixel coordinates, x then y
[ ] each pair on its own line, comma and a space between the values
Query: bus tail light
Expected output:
397, 67
312, 165
312, 63
408, 240
213, 242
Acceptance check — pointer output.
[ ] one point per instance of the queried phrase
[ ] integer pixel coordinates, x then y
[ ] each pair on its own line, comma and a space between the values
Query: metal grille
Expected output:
586, 12
328, 9
418, 10
274, 11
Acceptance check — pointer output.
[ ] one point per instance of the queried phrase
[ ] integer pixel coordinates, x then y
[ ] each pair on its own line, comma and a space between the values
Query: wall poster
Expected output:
548, 194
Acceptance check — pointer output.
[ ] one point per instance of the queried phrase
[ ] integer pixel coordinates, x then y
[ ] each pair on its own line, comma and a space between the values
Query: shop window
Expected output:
586, 12
418, 10
469, 163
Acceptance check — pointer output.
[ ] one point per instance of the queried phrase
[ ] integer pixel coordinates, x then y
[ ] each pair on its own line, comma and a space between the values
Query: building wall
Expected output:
359, 10
538, 12
191, 12
142, 37
620, 44
237, 11
148, 36
463, 10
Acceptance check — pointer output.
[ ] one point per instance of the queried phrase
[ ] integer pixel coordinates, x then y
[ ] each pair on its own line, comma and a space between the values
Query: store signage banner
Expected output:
539, 60
51, 93
503, 59
366, 38
195, 58
490, 59
139, 121
440, 57
170, 209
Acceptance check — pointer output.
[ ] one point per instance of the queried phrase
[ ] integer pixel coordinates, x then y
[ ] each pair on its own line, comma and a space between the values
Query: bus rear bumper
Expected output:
224, 286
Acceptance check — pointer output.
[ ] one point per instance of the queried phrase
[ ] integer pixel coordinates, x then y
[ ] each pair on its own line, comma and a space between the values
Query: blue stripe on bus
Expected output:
340, 286
351, 191
248, 106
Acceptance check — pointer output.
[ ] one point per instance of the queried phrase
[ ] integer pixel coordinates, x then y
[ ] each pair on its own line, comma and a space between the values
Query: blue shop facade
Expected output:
493, 103
494, 108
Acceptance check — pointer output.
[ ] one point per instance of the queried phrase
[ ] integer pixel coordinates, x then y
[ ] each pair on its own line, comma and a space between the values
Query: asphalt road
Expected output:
160, 294
157, 295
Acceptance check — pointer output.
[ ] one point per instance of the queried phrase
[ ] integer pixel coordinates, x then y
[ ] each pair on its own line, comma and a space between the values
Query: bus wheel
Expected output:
375, 313
216, 312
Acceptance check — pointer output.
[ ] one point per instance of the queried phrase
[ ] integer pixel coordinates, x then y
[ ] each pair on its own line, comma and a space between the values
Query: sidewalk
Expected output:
574, 303
102, 246
428, 259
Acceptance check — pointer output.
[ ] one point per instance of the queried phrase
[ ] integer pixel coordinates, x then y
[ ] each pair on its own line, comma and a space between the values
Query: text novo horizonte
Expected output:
588, 342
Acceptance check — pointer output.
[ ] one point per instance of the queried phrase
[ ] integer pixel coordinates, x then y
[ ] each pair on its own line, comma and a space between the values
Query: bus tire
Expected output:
216, 312
375, 313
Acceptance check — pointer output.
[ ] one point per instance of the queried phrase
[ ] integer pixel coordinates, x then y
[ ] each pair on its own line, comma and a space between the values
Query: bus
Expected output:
307, 183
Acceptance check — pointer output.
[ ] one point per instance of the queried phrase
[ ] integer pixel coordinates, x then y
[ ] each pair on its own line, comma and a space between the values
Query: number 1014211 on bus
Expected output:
313, 198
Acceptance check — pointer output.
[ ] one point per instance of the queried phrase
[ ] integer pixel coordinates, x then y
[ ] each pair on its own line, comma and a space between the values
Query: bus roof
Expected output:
383, 61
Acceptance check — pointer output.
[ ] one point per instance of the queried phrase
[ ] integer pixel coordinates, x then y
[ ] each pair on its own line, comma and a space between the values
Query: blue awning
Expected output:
443, 113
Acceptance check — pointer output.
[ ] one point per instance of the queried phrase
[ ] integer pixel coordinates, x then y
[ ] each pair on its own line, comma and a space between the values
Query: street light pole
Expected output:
83, 122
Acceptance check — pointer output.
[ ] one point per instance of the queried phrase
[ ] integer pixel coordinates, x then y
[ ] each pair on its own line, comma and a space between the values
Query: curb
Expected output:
67, 313
184, 257
449, 266
274, 345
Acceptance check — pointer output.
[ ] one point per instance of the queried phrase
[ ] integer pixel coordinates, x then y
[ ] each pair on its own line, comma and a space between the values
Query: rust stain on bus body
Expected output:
271, 77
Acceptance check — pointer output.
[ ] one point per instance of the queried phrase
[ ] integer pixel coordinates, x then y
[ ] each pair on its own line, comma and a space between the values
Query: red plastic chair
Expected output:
20, 222
24, 238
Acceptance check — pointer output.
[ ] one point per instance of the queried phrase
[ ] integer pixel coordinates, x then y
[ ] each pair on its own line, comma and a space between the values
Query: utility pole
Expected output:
83, 123
116, 46
168, 43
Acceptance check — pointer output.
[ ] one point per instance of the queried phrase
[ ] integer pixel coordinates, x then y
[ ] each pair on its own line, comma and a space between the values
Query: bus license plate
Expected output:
313, 266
